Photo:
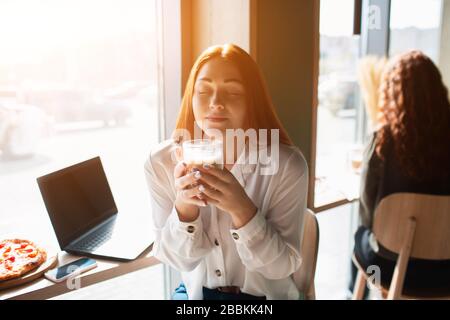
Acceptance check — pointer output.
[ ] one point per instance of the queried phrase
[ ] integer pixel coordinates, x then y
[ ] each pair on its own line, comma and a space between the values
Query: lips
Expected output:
215, 118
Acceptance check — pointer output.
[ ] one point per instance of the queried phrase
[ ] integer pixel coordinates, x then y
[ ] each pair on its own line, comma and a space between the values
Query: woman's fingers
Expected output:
221, 174
187, 180
193, 196
192, 192
180, 170
208, 200
179, 153
196, 202
213, 181
200, 195
209, 192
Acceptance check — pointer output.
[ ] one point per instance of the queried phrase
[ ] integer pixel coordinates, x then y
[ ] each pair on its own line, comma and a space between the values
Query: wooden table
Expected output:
106, 269
38, 228
340, 189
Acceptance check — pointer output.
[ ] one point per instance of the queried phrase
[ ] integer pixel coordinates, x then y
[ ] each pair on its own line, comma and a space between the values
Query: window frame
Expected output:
168, 14
373, 42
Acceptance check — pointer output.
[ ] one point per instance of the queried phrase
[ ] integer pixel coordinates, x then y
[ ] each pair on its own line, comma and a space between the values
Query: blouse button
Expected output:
235, 236
190, 229
218, 273
216, 242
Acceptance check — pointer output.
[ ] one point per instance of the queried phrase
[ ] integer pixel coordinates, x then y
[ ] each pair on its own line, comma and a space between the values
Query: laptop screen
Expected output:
77, 198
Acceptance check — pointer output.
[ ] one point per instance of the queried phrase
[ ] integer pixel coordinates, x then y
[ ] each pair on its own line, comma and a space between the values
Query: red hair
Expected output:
415, 117
260, 110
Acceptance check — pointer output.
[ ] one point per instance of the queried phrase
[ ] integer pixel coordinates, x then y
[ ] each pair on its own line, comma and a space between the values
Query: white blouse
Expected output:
259, 257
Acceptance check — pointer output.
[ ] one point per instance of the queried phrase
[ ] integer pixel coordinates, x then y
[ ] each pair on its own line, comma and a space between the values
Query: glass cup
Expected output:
198, 152
355, 158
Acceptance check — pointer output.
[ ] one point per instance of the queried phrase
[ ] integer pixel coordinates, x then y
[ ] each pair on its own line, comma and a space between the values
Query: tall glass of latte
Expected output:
198, 152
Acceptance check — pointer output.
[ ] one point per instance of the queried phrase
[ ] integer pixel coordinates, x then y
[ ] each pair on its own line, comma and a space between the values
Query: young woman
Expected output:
233, 233
409, 153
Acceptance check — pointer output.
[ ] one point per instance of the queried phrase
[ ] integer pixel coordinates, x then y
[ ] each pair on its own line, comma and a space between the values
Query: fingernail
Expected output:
197, 175
206, 166
201, 188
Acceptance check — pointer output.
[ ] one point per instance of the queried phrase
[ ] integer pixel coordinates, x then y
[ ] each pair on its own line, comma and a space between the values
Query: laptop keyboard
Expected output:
96, 239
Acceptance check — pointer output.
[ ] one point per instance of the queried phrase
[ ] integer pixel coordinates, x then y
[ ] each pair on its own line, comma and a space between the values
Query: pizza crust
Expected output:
18, 257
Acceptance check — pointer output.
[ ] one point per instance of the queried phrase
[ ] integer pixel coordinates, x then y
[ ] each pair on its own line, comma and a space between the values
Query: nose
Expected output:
216, 102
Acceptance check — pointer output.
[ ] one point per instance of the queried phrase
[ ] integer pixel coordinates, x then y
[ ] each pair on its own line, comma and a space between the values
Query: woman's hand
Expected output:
221, 189
188, 193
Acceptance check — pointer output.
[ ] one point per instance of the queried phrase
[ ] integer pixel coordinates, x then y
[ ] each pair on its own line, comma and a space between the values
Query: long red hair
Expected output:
415, 117
260, 109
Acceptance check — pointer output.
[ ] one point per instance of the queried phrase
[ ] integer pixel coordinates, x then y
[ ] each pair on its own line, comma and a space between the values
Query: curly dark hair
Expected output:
415, 117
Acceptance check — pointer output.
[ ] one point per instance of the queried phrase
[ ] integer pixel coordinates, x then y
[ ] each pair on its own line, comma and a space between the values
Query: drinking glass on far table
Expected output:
355, 158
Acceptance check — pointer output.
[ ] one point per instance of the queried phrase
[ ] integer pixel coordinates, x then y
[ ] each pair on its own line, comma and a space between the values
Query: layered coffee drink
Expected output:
198, 152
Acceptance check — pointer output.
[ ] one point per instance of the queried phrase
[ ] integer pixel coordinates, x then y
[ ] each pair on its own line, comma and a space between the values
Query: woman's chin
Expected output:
217, 125
216, 132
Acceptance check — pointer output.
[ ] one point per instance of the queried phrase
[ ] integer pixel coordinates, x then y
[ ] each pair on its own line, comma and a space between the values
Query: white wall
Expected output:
218, 22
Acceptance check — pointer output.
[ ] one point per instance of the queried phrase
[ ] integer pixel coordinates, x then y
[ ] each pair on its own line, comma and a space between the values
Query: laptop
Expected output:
84, 215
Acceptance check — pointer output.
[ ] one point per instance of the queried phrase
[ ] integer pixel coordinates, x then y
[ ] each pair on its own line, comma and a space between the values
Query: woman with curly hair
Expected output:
410, 152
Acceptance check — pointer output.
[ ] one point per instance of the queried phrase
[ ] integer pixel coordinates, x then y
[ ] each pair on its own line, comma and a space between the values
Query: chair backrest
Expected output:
432, 232
304, 276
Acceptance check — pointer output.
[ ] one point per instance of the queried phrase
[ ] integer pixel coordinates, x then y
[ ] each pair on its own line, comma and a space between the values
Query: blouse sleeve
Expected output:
181, 245
270, 243
370, 176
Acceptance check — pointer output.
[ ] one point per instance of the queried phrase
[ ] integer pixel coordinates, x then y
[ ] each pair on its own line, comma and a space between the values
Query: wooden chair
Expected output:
304, 276
413, 226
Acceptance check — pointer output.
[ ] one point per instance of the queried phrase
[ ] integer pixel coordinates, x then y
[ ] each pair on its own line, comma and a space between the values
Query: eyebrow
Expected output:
226, 80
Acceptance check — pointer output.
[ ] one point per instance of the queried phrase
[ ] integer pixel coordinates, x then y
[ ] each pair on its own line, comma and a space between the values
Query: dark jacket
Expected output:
382, 178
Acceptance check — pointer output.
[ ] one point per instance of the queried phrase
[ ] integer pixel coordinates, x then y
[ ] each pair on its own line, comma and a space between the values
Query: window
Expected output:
419, 29
415, 24
338, 95
78, 79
